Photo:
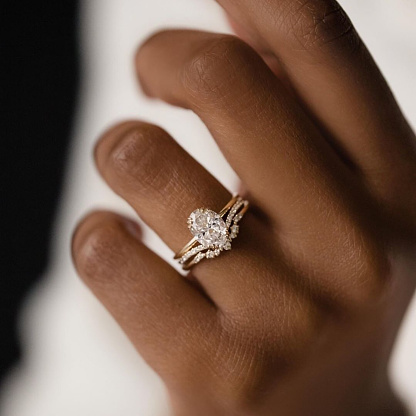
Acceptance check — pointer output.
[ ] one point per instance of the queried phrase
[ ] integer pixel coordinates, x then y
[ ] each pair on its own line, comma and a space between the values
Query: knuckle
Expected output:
375, 271
248, 357
369, 269
316, 24
288, 324
210, 70
139, 159
195, 353
241, 375
244, 377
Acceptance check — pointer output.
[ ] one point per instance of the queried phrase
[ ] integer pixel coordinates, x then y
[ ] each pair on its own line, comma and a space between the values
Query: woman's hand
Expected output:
300, 317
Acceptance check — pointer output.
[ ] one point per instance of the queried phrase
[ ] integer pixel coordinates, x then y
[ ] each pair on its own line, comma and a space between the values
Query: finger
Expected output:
288, 168
166, 318
146, 167
333, 72
277, 152
257, 43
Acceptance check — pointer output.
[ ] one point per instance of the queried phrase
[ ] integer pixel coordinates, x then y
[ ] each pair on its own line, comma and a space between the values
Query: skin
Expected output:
301, 316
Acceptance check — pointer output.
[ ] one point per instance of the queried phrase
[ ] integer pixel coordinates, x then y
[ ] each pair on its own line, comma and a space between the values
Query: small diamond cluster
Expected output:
213, 233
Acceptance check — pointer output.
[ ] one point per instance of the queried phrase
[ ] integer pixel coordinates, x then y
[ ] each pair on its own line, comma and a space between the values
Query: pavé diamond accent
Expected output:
234, 231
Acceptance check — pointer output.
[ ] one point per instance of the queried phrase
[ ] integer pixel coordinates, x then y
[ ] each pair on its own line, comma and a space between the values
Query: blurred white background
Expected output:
77, 360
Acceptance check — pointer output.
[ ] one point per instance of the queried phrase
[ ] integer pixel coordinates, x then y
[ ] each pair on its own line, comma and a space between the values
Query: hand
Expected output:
299, 318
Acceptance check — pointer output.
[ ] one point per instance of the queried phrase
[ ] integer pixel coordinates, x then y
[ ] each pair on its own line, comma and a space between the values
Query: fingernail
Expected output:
133, 228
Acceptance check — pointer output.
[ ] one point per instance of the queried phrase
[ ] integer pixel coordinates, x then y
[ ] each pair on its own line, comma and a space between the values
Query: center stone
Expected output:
208, 228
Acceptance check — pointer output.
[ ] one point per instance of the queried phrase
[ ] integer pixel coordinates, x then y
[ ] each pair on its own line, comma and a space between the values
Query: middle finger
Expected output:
283, 160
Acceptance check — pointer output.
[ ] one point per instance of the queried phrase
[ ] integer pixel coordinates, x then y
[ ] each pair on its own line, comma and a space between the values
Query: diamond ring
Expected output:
213, 232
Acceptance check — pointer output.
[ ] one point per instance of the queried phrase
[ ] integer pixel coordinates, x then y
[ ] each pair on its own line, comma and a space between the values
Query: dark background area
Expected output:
39, 80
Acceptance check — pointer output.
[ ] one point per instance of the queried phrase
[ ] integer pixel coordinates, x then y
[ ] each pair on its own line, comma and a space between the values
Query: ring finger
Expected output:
145, 166
287, 166
259, 127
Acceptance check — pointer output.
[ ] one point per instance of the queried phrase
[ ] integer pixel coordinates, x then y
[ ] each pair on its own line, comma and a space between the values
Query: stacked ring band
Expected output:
213, 232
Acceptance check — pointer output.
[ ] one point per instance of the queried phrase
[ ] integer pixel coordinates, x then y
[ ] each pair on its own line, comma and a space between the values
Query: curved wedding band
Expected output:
213, 232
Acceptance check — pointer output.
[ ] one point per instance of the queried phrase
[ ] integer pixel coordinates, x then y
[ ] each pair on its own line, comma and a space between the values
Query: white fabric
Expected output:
77, 360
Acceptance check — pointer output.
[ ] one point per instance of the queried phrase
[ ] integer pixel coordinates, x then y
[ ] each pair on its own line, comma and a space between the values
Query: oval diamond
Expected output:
208, 228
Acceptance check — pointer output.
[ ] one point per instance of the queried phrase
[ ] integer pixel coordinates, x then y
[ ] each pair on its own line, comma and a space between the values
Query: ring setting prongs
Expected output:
212, 232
